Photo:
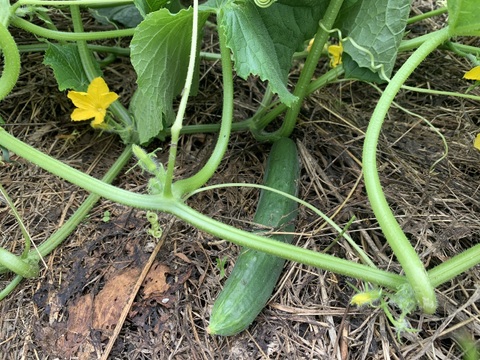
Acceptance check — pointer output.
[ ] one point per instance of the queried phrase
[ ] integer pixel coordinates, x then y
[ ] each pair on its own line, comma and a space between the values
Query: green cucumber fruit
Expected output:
256, 273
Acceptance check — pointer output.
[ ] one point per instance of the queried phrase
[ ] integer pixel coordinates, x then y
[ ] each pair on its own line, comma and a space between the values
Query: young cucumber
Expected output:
255, 274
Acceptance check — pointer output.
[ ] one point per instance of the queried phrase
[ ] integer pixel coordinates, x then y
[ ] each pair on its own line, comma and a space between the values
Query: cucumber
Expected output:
256, 273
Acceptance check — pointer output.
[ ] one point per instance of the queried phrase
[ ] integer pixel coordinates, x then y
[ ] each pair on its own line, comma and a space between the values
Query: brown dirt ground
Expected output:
70, 310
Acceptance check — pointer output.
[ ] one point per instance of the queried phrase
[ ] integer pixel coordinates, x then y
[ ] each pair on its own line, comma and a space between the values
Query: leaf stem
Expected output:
185, 186
404, 251
203, 222
69, 36
178, 123
69, 2
301, 89
455, 266
287, 251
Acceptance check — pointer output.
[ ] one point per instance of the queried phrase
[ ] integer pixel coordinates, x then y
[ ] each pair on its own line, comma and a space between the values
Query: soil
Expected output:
71, 309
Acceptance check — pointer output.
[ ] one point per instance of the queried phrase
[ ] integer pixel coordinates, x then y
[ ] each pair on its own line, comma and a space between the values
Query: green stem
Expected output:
23, 229
68, 36
287, 251
185, 186
11, 67
405, 253
342, 233
440, 92
116, 50
70, 225
260, 123
79, 178
427, 15
455, 266
306, 75
10, 287
69, 2
175, 207
178, 123
17, 265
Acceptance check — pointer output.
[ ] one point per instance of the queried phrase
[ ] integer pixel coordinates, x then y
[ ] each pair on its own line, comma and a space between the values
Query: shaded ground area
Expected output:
71, 310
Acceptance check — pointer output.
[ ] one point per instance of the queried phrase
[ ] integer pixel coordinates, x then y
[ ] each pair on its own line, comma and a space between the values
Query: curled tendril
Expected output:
377, 67
264, 3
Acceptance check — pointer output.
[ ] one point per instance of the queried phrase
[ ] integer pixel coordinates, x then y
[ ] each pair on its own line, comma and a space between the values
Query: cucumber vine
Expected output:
167, 194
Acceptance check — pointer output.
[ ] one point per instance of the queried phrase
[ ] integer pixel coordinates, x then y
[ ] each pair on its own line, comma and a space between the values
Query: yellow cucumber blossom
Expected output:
367, 297
335, 52
93, 103
476, 143
473, 74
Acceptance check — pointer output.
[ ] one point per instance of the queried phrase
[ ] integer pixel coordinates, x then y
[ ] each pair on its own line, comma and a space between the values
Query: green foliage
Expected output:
463, 17
263, 41
221, 262
147, 6
106, 216
126, 15
67, 67
377, 27
160, 50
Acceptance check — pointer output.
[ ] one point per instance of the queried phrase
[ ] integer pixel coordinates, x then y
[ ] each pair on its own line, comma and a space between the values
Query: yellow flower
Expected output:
310, 43
335, 52
476, 143
93, 103
367, 297
473, 74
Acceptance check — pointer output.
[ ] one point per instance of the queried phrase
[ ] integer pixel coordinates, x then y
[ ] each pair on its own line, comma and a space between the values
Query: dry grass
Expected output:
309, 316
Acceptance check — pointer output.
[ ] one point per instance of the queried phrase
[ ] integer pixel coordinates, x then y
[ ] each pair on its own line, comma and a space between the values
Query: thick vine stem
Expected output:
448, 270
69, 36
301, 88
404, 251
185, 186
11, 67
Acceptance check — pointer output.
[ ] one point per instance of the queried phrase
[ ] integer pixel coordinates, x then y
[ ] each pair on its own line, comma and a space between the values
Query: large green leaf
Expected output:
160, 51
263, 41
377, 26
127, 15
463, 17
67, 67
147, 6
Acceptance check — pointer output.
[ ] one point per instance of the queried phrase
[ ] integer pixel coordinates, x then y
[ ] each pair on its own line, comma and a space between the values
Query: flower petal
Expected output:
93, 103
336, 55
80, 99
476, 144
108, 99
473, 74
83, 114
98, 87
99, 118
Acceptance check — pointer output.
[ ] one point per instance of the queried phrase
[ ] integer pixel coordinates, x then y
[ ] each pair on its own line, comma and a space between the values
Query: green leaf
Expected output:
147, 6
67, 67
126, 15
160, 51
463, 19
378, 27
263, 41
